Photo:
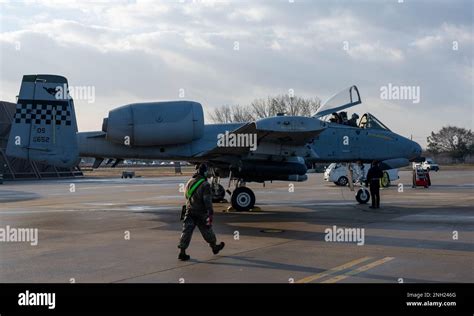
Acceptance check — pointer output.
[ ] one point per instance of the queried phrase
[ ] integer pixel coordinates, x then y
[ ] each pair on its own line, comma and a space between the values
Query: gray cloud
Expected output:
134, 52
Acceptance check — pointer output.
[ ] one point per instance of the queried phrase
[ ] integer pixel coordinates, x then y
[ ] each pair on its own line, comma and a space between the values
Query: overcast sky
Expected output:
221, 52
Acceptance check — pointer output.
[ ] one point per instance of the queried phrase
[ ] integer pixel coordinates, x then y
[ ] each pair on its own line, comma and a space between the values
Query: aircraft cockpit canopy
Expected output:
369, 121
342, 100
332, 111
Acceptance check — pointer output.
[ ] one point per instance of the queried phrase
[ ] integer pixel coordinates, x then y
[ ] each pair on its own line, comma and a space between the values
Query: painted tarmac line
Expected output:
358, 270
333, 270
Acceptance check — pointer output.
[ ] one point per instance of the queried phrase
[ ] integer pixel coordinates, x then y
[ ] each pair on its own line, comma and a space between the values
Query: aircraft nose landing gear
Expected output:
363, 196
243, 199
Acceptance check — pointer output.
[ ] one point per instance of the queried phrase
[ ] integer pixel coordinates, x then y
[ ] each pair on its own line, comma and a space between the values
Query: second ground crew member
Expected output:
199, 212
373, 180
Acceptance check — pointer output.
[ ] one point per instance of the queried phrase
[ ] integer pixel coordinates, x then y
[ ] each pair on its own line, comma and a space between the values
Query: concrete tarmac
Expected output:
127, 230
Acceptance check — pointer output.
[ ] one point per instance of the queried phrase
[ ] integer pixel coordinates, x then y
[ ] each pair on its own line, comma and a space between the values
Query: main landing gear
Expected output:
218, 191
242, 198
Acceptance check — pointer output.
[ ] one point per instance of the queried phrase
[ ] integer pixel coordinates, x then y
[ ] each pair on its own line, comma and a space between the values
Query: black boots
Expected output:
183, 256
217, 248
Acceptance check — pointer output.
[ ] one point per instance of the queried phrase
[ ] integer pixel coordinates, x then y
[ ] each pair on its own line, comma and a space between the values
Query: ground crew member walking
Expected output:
198, 212
373, 179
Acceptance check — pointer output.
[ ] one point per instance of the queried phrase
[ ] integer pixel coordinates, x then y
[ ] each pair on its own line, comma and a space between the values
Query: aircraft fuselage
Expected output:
336, 143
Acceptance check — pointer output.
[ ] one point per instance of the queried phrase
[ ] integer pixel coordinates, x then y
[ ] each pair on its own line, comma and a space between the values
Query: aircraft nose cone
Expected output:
416, 150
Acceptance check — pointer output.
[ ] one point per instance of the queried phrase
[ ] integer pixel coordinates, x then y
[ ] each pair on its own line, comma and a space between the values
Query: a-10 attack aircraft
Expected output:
45, 130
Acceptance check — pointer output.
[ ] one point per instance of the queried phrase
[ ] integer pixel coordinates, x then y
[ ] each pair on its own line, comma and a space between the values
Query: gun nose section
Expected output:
415, 150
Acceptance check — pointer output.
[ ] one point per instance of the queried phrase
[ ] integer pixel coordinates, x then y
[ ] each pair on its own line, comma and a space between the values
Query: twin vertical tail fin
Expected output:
44, 126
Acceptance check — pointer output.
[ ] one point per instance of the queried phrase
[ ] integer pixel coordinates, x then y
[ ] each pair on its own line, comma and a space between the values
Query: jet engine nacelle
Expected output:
155, 123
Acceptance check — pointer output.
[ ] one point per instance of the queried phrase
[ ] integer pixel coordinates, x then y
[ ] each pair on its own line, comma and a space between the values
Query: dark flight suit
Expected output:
198, 209
352, 122
373, 180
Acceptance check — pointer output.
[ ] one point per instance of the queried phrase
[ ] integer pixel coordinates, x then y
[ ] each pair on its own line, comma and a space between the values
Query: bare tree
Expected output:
221, 114
241, 114
458, 142
261, 108
231, 113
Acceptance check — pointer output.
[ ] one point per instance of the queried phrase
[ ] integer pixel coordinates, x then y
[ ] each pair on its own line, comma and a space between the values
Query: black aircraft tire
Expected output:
361, 198
243, 199
343, 181
218, 194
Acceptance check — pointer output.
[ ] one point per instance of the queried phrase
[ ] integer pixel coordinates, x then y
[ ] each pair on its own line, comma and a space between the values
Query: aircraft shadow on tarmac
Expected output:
228, 223
7, 196
248, 262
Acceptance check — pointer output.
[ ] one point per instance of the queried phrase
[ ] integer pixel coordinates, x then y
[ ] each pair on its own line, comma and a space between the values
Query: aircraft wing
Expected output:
289, 130
249, 128
284, 130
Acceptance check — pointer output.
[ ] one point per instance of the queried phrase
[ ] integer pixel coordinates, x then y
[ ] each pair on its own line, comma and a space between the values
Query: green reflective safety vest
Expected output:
194, 187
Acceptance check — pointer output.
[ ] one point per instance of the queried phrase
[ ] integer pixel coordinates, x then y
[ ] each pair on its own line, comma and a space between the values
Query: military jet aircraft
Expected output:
274, 148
